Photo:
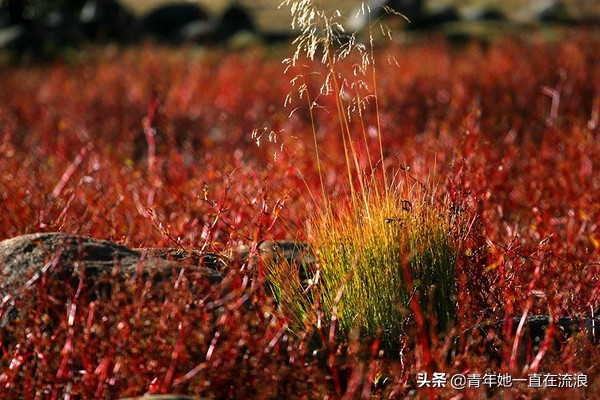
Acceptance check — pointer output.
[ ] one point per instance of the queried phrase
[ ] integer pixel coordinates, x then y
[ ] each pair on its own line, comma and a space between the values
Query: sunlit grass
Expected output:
372, 258
382, 243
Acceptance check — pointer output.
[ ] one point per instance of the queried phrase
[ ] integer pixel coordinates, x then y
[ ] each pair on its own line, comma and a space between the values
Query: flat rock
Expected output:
27, 260
277, 251
166, 22
30, 255
496, 334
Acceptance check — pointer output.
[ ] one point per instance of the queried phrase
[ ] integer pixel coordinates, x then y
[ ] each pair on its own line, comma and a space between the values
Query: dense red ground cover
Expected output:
149, 146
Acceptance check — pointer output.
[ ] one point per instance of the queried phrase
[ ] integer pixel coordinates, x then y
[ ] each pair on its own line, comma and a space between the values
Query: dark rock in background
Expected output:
12, 13
169, 22
107, 20
12, 37
497, 333
58, 28
550, 11
197, 31
439, 16
233, 21
17, 29
42, 28
486, 14
411, 9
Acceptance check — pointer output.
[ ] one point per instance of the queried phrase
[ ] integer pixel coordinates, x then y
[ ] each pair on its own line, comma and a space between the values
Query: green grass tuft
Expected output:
385, 243
362, 248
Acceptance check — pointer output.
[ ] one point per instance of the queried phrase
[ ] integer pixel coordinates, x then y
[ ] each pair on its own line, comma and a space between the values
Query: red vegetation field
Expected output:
152, 146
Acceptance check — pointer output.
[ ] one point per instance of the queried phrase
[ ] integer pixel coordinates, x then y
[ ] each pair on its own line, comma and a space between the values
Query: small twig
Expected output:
150, 132
66, 176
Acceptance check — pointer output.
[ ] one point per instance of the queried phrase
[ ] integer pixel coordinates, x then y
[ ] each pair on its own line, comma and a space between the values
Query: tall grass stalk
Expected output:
323, 39
362, 242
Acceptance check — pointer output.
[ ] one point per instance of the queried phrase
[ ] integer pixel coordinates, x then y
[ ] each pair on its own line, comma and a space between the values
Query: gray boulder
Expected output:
172, 22
296, 254
485, 13
410, 9
29, 260
45, 253
549, 11
496, 334
107, 20
439, 16
235, 20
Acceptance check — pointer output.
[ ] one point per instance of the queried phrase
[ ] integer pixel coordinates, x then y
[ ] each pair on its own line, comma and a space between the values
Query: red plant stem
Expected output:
273, 342
419, 319
218, 210
150, 132
263, 227
329, 345
168, 381
331, 360
259, 237
66, 176
90, 320
212, 346
102, 371
544, 347
519, 333
372, 370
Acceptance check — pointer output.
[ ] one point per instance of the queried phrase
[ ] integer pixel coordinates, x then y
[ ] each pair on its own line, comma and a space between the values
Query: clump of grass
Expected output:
384, 243
373, 258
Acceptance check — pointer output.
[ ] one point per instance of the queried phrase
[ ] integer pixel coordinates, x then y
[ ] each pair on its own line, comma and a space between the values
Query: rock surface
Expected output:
27, 260
106, 20
497, 333
271, 251
169, 22
34, 254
